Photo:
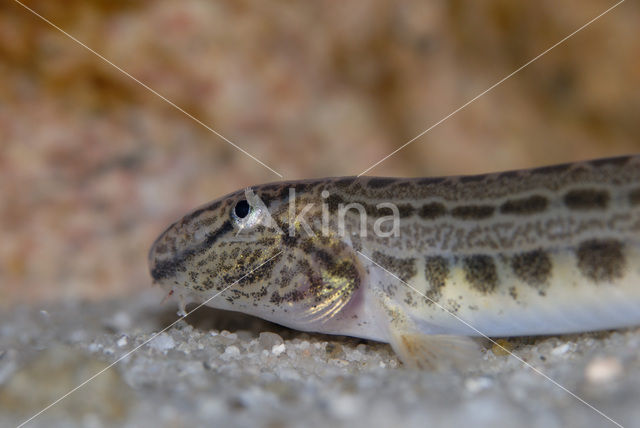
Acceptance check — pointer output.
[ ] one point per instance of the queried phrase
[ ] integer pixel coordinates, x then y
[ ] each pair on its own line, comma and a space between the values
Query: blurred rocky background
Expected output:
93, 166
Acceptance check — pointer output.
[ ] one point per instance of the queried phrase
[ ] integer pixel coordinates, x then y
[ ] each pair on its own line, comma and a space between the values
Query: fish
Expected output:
428, 265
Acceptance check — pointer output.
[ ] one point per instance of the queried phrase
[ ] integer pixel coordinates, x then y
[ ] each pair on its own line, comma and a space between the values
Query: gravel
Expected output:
225, 369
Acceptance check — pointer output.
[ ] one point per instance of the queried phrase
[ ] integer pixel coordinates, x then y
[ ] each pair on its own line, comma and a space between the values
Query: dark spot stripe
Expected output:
378, 182
509, 175
472, 178
436, 273
344, 182
634, 197
481, 273
432, 210
337, 203
405, 269
524, 206
431, 180
553, 169
372, 210
532, 267
406, 210
615, 161
586, 199
601, 259
473, 212
271, 187
267, 198
334, 201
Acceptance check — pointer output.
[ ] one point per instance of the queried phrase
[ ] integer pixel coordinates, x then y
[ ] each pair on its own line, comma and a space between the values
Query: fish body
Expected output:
420, 263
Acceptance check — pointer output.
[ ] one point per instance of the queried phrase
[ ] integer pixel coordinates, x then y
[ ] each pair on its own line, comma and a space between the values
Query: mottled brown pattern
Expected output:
243, 273
179, 262
601, 259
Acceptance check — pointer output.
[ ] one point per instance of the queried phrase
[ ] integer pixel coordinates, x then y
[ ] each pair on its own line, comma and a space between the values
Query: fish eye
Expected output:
242, 208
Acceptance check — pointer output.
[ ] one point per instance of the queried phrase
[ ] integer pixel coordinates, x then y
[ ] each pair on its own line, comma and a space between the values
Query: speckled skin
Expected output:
541, 251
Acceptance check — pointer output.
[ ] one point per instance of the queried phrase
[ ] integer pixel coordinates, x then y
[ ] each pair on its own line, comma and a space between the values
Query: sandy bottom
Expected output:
223, 369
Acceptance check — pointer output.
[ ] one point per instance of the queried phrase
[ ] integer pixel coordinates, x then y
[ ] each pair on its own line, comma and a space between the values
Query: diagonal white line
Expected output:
494, 342
147, 341
195, 119
491, 87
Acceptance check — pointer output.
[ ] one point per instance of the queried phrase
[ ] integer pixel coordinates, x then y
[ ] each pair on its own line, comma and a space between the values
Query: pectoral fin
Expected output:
410, 338
435, 352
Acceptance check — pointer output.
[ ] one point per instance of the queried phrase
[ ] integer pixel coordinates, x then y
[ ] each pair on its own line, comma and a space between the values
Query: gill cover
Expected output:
318, 278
